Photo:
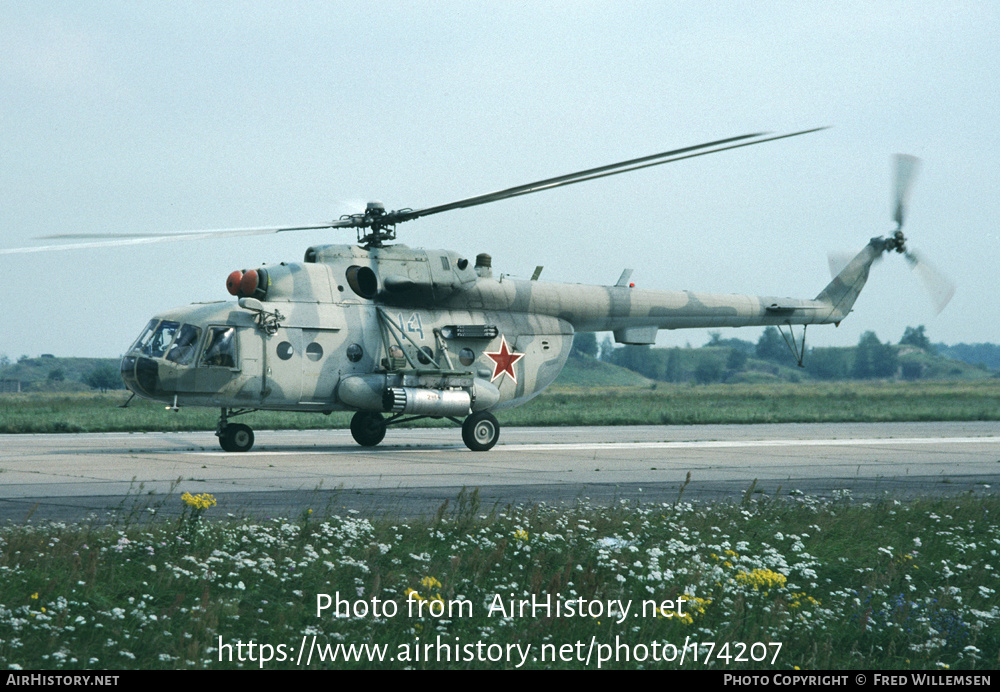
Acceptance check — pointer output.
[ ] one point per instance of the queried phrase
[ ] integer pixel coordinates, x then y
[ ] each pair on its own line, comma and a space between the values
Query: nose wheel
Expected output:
236, 437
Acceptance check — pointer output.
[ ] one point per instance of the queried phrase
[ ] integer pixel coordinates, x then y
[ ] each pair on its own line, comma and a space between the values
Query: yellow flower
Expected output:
762, 579
413, 595
521, 535
34, 596
430, 582
201, 501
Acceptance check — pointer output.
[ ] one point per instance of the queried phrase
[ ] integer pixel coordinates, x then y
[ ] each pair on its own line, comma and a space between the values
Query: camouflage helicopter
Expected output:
395, 333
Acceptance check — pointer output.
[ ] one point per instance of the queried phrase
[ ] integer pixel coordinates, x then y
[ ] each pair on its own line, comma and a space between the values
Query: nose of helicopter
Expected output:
141, 375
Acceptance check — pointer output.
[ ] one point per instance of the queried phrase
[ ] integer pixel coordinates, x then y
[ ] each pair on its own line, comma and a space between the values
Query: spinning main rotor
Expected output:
376, 226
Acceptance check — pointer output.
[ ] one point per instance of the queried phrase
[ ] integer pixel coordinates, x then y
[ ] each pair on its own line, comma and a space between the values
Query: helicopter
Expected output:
395, 333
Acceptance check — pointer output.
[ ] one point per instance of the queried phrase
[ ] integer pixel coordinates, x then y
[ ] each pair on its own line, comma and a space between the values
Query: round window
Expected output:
466, 357
314, 351
425, 355
354, 353
285, 350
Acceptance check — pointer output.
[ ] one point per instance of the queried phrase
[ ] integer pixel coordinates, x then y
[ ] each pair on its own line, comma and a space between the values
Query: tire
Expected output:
367, 428
226, 439
236, 438
480, 431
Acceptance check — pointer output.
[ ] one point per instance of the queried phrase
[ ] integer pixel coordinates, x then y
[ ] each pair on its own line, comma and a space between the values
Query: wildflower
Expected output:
430, 583
761, 578
521, 535
200, 501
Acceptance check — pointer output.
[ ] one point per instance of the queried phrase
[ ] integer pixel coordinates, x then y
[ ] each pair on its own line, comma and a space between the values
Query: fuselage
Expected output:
339, 330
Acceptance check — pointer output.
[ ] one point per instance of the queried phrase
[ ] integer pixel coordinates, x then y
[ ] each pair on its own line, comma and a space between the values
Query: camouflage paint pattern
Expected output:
337, 330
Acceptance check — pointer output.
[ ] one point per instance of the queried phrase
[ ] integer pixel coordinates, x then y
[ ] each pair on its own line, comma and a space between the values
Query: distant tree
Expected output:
872, 358
635, 358
56, 375
771, 346
716, 340
585, 343
672, 372
103, 377
4, 360
736, 360
912, 370
22, 358
828, 363
707, 370
916, 336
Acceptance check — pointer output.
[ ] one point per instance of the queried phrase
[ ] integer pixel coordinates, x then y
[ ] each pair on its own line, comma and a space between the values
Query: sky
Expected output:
124, 117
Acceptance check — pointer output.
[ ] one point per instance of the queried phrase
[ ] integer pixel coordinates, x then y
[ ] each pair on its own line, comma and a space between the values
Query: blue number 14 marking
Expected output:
413, 325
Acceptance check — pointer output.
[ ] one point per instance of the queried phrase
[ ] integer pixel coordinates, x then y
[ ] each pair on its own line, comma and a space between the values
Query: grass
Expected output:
662, 404
839, 585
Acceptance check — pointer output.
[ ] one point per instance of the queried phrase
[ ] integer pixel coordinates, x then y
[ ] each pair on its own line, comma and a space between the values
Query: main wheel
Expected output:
480, 431
236, 438
367, 428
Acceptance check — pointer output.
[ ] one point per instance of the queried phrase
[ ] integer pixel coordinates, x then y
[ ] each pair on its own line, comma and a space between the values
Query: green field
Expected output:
769, 584
659, 404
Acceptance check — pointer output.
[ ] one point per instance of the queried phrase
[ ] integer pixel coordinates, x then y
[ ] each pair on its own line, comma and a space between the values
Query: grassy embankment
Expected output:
663, 404
767, 584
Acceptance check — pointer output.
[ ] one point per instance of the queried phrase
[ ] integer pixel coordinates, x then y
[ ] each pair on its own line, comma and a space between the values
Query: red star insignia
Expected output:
504, 360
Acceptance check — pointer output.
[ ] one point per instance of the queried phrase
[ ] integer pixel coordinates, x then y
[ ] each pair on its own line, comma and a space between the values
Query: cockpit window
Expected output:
185, 345
220, 350
144, 337
154, 342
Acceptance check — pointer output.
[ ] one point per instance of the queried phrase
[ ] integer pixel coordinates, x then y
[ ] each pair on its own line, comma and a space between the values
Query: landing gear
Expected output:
367, 428
236, 437
480, 431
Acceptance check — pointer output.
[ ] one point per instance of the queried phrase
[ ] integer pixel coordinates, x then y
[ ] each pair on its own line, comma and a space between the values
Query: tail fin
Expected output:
846, 286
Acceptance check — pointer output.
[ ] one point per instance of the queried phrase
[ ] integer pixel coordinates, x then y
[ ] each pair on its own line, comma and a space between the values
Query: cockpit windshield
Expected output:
156, 339
178, 343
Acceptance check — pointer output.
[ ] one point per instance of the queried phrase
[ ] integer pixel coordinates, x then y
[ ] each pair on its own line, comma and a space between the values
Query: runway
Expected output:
68, 477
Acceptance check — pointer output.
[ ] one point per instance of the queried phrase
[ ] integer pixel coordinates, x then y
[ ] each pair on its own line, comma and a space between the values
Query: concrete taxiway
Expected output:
67, 477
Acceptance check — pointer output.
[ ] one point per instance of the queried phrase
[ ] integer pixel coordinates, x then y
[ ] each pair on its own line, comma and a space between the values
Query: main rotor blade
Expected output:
598, 172
115, 240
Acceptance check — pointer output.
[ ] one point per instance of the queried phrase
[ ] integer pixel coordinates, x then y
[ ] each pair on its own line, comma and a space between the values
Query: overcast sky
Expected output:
160, 117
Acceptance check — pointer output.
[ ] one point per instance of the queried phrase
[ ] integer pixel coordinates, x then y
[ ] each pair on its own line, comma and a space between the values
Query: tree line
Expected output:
723, 360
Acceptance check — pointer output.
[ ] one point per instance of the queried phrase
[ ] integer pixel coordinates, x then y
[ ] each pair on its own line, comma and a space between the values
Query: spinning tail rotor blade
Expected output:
906, 171
938, 286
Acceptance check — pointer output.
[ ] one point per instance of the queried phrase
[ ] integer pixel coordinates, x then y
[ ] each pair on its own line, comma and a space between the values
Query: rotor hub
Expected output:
896, 242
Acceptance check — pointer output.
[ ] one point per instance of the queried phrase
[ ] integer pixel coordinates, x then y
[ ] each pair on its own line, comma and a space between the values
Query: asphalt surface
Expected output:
413, 472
